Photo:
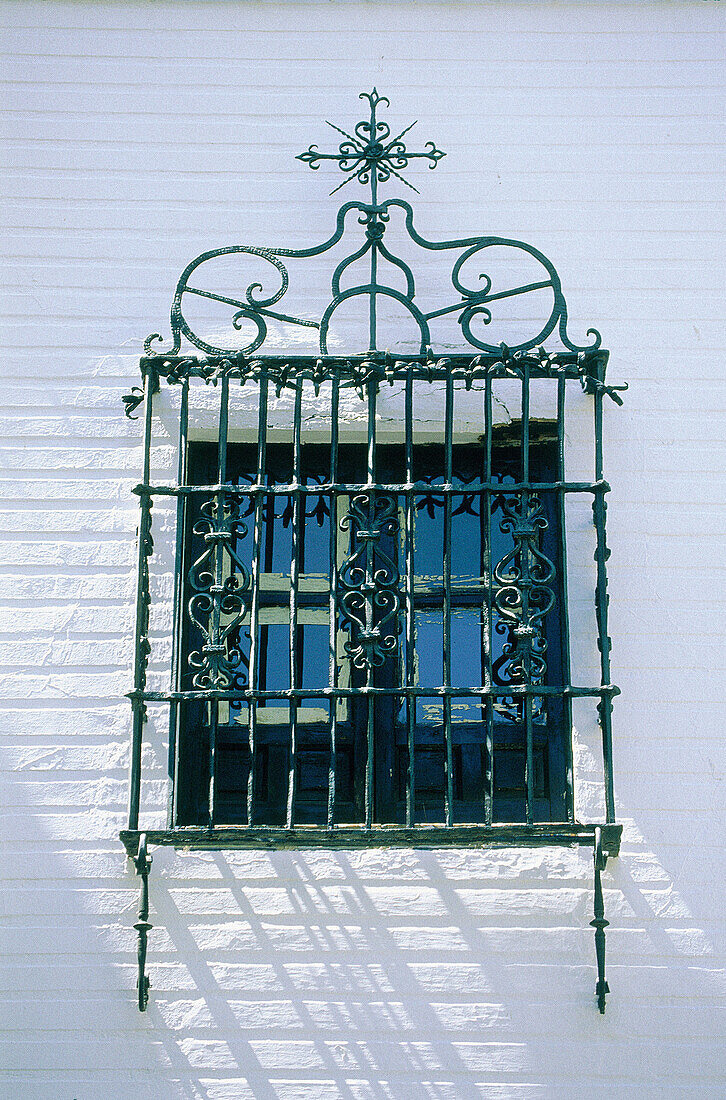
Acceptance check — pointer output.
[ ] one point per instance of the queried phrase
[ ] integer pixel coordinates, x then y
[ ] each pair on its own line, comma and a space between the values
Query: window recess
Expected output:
419, 739
371, 638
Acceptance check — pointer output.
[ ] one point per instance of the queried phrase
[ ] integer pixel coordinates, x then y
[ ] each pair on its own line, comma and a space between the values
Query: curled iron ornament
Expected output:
220, 582
131, 401
523, 595
372, 156
369, 597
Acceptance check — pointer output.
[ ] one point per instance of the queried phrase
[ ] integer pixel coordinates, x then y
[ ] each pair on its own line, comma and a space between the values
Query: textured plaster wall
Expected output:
138, 135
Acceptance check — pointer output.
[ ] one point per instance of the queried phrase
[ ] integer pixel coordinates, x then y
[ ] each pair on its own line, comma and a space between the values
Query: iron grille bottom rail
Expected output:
383, 836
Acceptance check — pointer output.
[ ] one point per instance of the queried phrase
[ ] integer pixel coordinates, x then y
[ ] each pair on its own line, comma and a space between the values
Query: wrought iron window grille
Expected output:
354, 754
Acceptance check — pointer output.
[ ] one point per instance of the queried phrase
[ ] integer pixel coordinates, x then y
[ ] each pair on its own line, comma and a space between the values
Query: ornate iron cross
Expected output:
370, 154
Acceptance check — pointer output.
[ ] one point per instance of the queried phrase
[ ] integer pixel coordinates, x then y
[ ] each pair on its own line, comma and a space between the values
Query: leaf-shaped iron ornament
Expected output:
373, 156
369, 597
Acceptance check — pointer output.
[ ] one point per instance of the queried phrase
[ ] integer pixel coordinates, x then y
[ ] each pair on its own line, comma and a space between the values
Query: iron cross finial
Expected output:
370, 154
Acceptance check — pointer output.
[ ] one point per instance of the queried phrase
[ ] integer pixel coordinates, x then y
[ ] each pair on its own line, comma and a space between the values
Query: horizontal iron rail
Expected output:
400, 487
426, 597
385, 836
343, 693
571, 364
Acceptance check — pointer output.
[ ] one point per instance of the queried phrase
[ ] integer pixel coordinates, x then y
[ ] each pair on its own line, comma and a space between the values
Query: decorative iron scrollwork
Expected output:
380, 367
369, 598
221, 584
523, 594
372, 156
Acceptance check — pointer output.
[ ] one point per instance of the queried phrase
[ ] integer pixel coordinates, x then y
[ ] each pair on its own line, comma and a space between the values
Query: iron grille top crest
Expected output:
372, 156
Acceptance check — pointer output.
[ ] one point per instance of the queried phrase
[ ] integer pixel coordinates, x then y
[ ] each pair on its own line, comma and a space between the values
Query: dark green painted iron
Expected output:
142, 862
369, 597
371, 156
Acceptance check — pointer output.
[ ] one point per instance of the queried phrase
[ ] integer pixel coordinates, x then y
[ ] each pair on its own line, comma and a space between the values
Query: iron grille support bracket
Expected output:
142, 862
606, 842
599, 923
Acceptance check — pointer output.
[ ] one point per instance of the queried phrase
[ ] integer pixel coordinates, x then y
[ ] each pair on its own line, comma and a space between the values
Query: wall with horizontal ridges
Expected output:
138, 135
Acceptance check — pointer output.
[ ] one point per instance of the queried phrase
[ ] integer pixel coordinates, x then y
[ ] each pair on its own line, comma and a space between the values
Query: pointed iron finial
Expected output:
370, 154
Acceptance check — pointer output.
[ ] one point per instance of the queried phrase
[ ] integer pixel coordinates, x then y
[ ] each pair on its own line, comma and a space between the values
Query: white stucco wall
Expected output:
140, 134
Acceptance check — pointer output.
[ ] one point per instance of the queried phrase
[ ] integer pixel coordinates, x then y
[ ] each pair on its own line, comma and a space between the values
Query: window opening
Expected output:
488, 766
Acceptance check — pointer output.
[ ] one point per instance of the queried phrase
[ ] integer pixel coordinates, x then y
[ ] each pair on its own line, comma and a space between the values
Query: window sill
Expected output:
380, 836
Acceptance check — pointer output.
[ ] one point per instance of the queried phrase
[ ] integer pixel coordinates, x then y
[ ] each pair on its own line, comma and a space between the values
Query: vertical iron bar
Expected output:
601, 595
294, 582
487, 634
372, 298
410, 606
218, 587
333, 605
141, 648
448, 477
176, 708
370, 732
526, 583
564, 616
254, 669
372, 304
372, 388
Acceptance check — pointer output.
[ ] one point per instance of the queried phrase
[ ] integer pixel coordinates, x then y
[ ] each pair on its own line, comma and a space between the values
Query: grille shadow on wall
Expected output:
371, 642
